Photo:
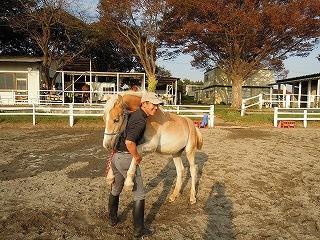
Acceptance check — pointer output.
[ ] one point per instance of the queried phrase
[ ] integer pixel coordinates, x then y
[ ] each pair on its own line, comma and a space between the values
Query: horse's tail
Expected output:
199, 139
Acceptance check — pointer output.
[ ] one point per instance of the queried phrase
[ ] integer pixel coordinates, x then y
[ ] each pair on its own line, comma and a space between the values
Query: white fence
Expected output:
281, 101
296, 114
75, 110
253, 101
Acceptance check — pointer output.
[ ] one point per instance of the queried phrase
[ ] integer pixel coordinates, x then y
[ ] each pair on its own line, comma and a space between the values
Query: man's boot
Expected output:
113, 209
138, 221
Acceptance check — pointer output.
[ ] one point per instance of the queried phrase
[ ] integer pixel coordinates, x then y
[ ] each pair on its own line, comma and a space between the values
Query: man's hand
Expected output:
132, 147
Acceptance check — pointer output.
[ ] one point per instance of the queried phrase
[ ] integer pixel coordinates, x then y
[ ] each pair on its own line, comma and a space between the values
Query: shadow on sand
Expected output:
219, 209
168, 175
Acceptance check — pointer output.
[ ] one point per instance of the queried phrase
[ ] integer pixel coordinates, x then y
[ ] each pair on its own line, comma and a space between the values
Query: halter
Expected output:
116, 133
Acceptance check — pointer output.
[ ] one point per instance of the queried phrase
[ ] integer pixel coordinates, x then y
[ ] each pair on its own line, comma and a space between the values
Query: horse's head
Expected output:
115, 119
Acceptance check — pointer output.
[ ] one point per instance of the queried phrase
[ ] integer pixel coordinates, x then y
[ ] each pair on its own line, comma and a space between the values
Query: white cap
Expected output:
151, 97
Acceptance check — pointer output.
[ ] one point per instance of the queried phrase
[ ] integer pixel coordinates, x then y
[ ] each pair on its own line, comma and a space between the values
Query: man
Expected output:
126, 148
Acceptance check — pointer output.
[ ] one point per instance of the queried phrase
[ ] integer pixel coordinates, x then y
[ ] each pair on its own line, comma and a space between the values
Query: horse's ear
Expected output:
120, 99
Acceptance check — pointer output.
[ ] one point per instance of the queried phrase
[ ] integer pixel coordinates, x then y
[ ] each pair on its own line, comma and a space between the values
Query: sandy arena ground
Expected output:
253, 183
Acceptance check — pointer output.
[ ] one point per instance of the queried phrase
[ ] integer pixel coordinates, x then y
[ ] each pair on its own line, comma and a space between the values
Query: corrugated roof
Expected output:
314, 76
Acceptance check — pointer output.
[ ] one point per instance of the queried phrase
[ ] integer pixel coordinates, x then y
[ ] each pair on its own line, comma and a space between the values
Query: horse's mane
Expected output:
110, 102
130, 100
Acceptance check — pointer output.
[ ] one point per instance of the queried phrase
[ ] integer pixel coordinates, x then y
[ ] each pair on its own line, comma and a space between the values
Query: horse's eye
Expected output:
117, 120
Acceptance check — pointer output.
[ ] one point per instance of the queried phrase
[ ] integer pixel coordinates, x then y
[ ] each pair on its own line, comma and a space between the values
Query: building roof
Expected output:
80, 64
167, 80
314, 76
20, 59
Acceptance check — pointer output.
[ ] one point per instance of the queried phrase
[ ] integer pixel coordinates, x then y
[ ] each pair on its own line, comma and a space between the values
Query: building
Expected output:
217, 87
301, 92
192, 89
20, 82
19, 78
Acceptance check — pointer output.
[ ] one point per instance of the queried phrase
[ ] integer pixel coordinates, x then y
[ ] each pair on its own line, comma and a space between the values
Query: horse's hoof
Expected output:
171, 199
193, 201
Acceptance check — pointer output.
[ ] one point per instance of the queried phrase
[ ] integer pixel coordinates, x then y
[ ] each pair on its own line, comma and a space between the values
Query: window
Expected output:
6, 81
13, 81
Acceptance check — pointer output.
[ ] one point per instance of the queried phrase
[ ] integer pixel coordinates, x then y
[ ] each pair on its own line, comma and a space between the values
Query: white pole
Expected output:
299, 95
318, 94
90, 83
72, 88
309, 94
118, 82
71, 120
176, 92
243, 107
33, 114
62, 87
284, 95
275, 117
211, 116
288, 97
305, 118
271, 92
260, 100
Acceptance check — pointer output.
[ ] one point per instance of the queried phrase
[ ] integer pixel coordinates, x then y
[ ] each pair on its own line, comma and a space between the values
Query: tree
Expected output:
60, 35
12, 41
162, 72
242, 37
107, 53
137, 25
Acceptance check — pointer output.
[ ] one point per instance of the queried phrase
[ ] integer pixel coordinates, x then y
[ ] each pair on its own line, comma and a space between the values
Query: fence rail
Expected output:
296, 114
282, 101
76, 110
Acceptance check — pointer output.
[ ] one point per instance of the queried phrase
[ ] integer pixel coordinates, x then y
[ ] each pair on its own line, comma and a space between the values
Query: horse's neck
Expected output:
132, 102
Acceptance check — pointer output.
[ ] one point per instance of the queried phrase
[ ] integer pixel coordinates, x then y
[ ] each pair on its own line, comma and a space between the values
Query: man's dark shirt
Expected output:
134, 130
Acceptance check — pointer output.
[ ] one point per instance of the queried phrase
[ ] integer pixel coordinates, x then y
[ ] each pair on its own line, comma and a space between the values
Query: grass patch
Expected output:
232, 115
15, 119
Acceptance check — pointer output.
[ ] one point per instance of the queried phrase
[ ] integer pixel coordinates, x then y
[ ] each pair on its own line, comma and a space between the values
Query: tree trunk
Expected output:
45, 77
237, 92
152, 83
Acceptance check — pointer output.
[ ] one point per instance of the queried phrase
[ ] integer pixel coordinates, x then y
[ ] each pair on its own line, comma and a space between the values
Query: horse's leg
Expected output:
143, 148
193, 173
179, 168
128, 183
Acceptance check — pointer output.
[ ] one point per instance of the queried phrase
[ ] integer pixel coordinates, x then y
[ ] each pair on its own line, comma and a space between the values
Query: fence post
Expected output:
178, 109
305, 118
275, 117
260, 100
33, 115
71, 115
243, 107
211, 116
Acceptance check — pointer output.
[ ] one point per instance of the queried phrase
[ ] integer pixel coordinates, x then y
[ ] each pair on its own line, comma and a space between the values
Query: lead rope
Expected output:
109, 165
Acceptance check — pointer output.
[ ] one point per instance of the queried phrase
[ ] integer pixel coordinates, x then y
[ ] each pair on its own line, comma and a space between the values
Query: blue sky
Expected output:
181, 67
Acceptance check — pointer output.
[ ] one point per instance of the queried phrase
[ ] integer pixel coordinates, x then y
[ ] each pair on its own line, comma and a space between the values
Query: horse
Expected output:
166, 133
85, 93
